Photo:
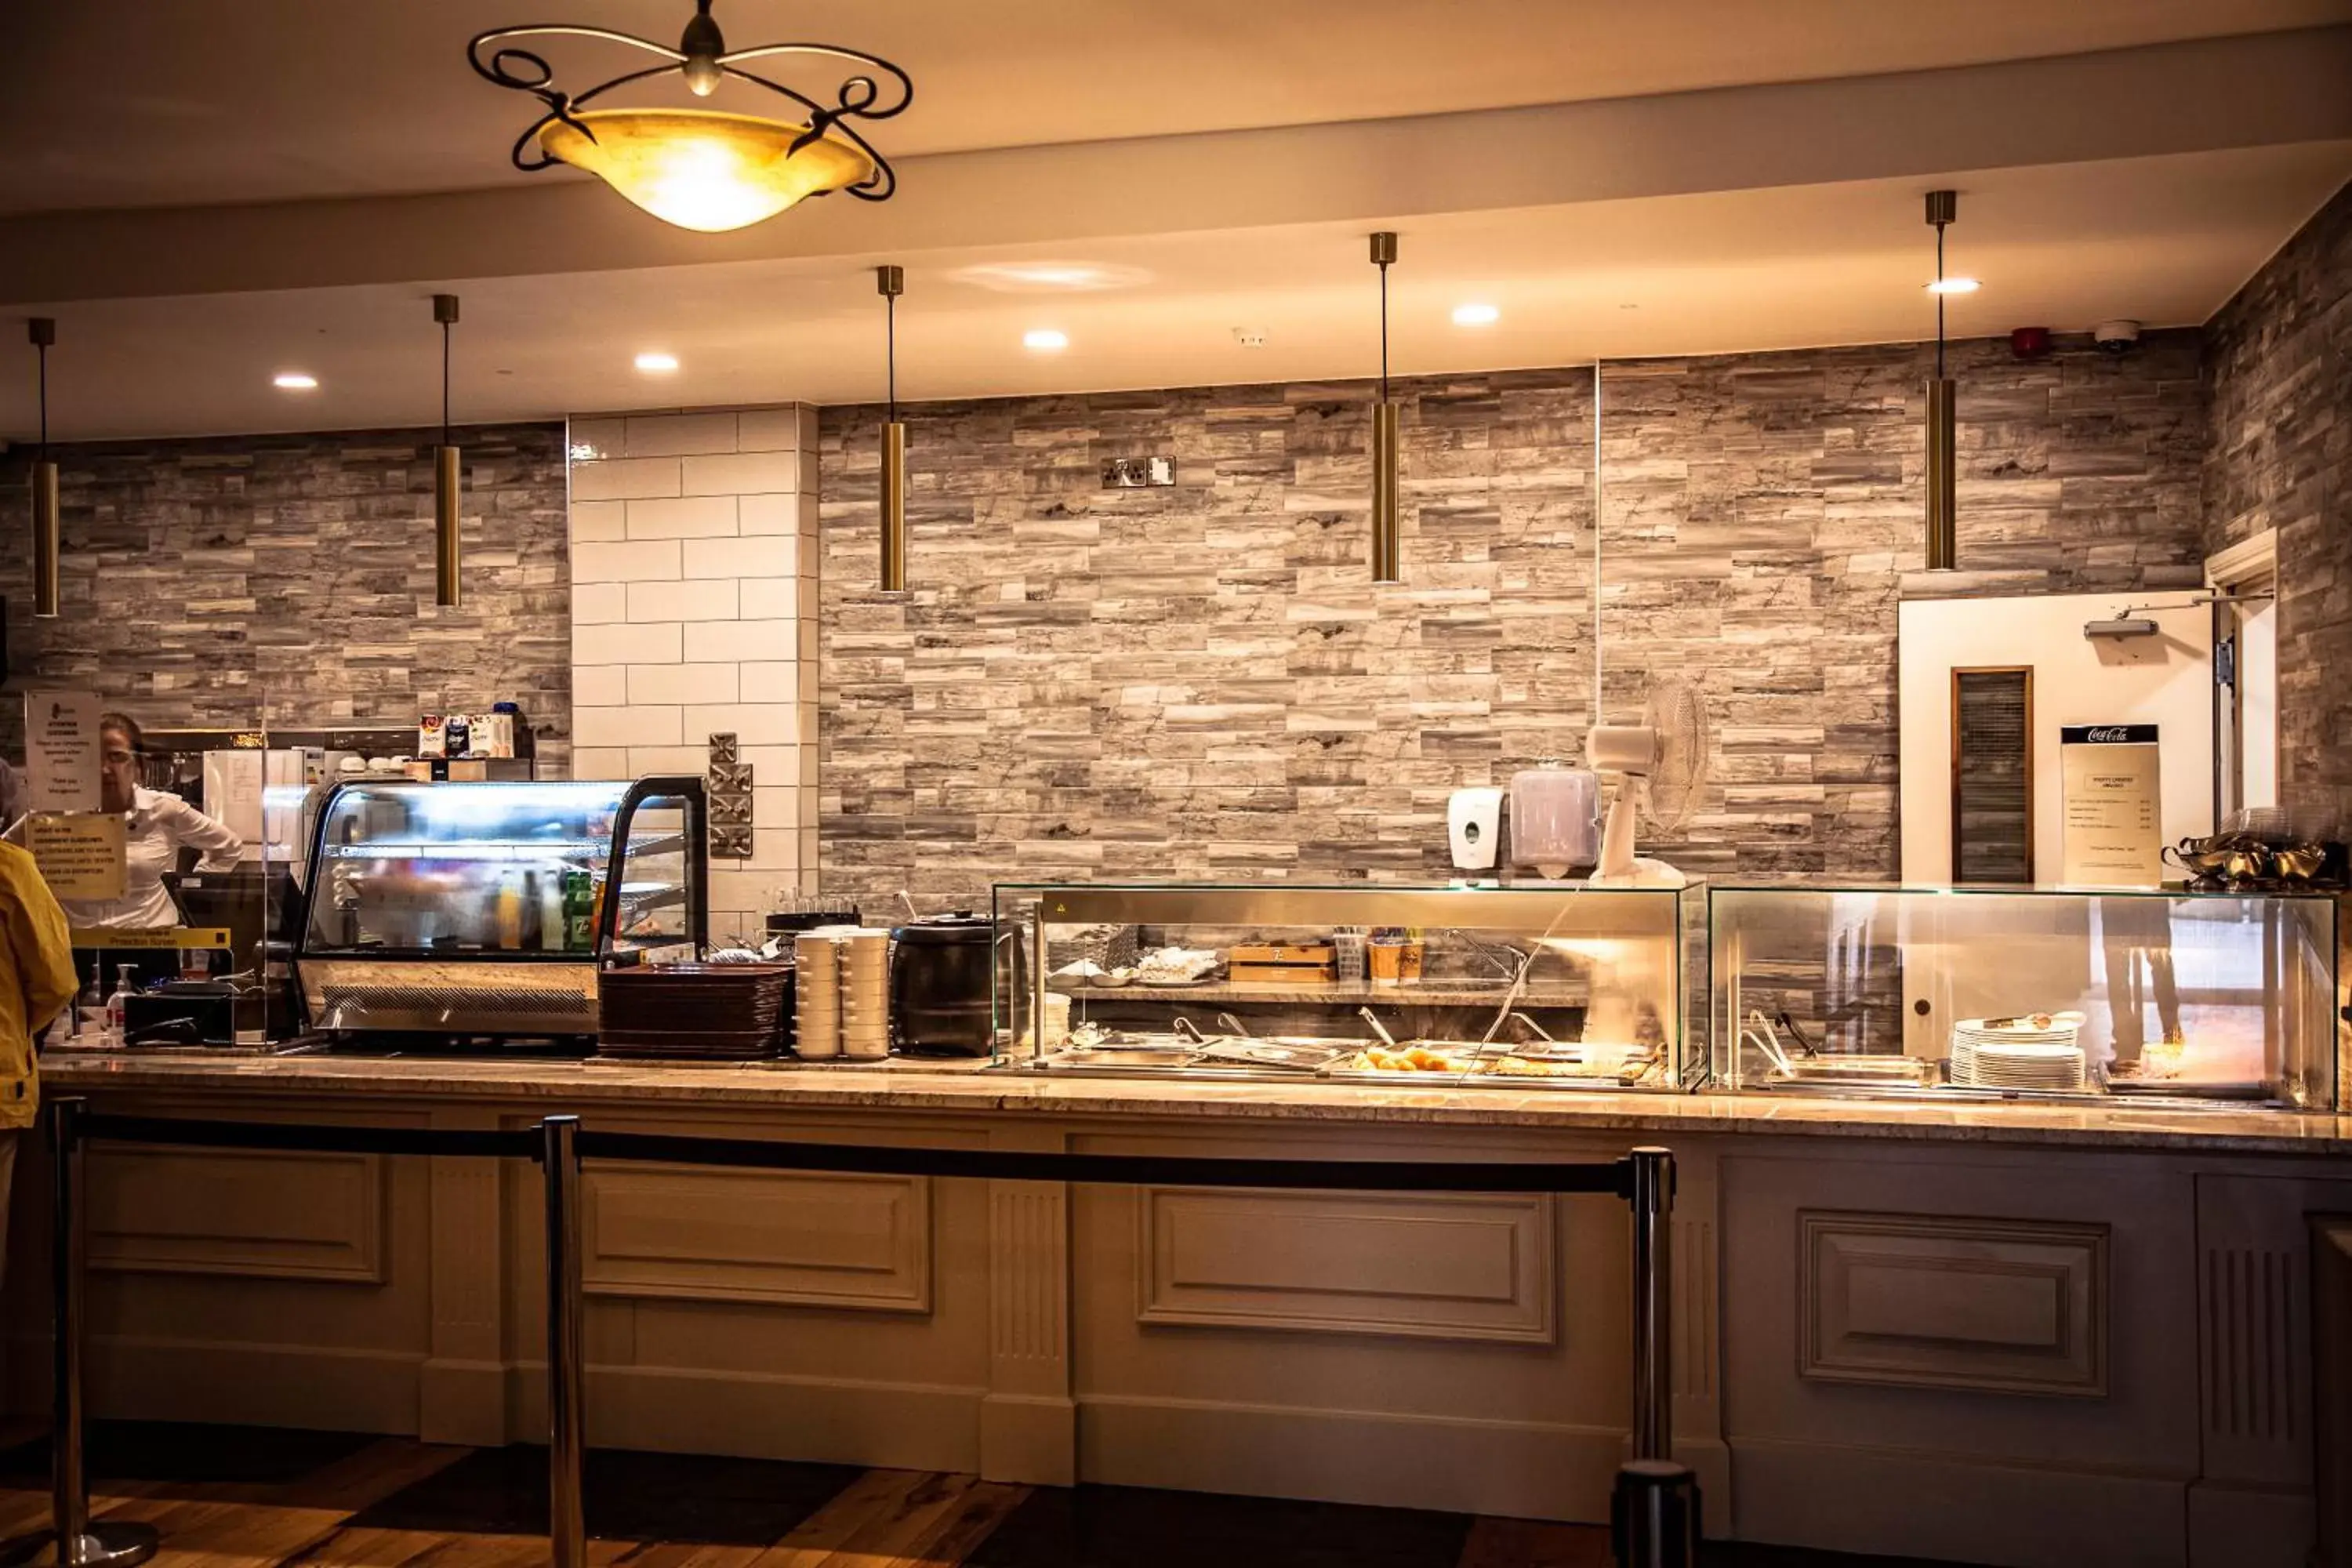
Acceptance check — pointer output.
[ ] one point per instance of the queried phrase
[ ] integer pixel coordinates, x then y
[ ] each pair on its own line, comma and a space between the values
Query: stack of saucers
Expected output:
816, 998
864, 993
2018, 1054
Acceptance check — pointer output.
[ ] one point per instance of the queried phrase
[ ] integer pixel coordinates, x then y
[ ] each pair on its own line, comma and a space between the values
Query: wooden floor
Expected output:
231, 1496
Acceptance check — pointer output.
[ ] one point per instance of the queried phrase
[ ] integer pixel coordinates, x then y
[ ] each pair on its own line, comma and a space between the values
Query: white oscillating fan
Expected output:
1662, 766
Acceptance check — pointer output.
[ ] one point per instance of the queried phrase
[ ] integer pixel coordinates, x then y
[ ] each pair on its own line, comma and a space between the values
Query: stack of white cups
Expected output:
864, 986
816, 998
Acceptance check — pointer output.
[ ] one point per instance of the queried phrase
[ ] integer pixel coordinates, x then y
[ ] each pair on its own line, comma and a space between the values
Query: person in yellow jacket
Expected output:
37, 983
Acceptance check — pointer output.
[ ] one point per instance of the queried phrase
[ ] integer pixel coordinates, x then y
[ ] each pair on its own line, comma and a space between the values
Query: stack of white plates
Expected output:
816, 998
864, 993
2015, 1053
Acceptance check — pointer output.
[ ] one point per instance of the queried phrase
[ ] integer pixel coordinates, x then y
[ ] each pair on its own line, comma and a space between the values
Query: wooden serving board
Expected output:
1242, 973
1320, 954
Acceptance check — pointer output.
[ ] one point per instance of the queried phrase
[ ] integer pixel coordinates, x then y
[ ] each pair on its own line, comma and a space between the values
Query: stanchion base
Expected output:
1653, 1515
108, 1543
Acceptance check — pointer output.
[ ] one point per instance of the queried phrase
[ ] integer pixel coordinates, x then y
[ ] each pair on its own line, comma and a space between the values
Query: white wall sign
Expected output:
2112, 795
61, 749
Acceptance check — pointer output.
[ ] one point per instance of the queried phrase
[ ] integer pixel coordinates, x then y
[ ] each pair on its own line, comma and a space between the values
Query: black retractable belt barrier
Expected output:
1654, 1519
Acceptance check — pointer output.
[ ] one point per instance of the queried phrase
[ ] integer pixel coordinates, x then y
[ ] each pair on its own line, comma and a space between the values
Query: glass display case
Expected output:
486, 910
1553, 986
1984, 993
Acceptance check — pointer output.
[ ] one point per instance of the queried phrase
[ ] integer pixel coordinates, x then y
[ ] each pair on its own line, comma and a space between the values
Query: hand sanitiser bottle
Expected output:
117, 1005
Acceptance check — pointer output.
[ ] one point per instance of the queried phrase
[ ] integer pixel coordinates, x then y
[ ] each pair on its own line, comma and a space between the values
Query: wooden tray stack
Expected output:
694, 1012
1315, 963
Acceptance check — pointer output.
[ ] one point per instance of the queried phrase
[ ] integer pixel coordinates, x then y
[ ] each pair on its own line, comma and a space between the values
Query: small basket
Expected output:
1105, 947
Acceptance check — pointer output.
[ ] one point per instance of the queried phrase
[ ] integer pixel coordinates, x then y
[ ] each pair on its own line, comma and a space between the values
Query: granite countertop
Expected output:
944, 1087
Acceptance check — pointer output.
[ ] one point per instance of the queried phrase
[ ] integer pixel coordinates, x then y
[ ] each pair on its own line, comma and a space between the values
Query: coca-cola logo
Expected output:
2098, 733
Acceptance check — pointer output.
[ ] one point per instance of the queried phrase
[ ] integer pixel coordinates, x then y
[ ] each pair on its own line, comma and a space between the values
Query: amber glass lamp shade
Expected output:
702, 170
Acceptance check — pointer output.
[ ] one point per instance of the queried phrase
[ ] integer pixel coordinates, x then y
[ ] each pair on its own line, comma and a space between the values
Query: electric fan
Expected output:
1662, 767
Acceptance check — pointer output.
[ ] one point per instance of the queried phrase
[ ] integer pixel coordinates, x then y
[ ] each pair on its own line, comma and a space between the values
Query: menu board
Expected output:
61, 749
2112, 806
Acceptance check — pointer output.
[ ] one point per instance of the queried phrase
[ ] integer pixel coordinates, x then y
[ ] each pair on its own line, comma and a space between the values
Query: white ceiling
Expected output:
1777, 208
2164, 240
135, 103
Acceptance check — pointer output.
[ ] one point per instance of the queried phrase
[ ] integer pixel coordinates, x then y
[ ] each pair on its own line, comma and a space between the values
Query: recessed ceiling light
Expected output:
656, 364
294, 381
1954, 286
1045, 340
1475, 315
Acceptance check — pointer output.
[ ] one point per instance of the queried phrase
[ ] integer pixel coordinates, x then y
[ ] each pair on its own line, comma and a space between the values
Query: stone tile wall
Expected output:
288, 579
694, 612
2279, 369
1200, 681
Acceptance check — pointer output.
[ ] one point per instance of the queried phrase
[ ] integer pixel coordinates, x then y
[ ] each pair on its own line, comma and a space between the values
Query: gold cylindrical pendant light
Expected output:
890, 282
1943, 524
448, 479
1943, 452
46, 538
1386, 566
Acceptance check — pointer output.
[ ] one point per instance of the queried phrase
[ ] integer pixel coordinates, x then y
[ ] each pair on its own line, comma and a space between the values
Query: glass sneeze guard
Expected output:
2002, 993
1549, 985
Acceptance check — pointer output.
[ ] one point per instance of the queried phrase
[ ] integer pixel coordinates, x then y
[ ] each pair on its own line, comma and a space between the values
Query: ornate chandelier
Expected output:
696, 168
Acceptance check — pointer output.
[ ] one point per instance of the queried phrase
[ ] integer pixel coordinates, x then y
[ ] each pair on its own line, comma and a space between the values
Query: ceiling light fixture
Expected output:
1943, 518
1385, 547
41, 332
890, 282
1045, 341
294, 381
697, 168
654, 363
1475, 315
448, 477
1954, 286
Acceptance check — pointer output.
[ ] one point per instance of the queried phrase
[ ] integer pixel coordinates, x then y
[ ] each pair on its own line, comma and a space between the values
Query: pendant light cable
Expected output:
1387, 553
1943, 455
890, 282
448, 482
1939, 301
1596, 539
49, 544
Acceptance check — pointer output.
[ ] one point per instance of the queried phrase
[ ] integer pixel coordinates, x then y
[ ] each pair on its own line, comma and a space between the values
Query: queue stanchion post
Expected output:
79, 1542
566, 1421
1653, 1516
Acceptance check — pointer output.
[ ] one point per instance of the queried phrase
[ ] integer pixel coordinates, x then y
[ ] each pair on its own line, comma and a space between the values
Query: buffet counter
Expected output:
2031, 1333
546, 1085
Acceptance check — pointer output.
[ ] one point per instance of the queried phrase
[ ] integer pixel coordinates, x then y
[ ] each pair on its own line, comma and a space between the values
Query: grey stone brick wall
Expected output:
289, 579
1201, 683
2279, 369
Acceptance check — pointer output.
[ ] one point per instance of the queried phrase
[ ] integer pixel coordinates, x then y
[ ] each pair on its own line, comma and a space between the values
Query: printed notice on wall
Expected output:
2113, 805
61, 749
79, 857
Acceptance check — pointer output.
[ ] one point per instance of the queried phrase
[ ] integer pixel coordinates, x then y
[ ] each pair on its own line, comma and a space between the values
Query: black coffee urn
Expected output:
941, 971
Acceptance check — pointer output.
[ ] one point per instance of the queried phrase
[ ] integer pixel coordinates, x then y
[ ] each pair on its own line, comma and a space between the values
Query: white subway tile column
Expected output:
693, 565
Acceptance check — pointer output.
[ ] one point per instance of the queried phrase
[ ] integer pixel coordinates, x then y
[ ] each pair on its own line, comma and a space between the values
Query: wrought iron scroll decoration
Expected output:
859, 97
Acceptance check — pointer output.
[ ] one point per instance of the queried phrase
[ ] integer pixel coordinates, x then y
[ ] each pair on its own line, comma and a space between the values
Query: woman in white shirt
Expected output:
158, 826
